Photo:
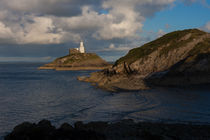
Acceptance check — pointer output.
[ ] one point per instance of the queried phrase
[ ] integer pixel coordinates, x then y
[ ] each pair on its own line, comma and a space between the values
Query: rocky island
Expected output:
180, 58
78, 60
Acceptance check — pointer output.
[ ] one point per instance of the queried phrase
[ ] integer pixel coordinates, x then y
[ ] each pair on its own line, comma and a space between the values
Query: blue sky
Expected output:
30, 31
179, 17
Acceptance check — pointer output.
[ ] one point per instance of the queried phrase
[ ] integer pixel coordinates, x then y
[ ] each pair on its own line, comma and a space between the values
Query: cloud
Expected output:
26, 59
35, 30
189, 1
204, 2
167, 26
112, 47
48, 7
160, 33
41, 30
5, 33
63, 21
206, 27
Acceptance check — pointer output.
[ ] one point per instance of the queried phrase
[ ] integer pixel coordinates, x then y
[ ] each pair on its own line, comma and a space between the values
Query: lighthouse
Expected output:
82, 48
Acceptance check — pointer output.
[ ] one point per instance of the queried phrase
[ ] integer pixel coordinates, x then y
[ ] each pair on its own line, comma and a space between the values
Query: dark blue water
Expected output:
28, 94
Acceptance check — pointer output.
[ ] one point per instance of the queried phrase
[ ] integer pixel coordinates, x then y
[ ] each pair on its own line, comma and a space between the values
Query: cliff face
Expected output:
161, 54
192, 70
180, 52
77, 61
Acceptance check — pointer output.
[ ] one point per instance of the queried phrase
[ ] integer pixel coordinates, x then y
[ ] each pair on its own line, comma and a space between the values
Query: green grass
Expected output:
202, 47
150, 47
78, 58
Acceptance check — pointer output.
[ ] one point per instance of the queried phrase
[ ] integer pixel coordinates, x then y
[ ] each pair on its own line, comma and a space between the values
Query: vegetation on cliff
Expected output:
164, 60
166, 43
202, 47
78, 60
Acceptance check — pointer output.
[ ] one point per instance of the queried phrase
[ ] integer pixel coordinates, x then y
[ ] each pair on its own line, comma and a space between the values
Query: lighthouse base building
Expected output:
81, 49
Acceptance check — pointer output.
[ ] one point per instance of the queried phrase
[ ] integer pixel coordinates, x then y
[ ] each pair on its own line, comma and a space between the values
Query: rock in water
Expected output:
78, 61
163, 62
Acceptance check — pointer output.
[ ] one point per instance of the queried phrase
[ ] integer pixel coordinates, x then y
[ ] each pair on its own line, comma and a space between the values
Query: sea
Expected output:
29, 94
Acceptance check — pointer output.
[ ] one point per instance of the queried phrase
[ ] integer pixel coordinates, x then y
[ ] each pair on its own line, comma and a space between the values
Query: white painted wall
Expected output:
82, 48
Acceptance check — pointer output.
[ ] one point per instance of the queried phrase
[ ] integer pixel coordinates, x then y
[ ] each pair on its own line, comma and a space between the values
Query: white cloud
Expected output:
206, 27
5, 32
36, 30
161, 33
112, 47
122, 22
40, 31
61, 21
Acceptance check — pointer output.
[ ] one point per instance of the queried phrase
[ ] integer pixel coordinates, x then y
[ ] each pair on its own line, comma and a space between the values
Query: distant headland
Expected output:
180, 58
78, 59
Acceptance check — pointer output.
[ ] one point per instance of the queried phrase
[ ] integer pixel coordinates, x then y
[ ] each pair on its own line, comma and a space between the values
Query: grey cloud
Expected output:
48, 7
204, 2
148, 10
123, 20
189, 1
39, 23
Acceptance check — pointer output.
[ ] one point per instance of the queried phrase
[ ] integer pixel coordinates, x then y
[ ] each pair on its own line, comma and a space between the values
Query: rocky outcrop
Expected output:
194, 70
78, 61
45, 131
125, 129
142, 65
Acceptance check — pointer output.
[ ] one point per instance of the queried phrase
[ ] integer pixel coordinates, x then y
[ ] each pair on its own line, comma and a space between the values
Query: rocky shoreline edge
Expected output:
125, 129
70, 68
115, 83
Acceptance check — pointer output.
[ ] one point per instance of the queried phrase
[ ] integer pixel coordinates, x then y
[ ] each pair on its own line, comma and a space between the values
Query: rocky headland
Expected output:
125, 129
180, 58
78, 61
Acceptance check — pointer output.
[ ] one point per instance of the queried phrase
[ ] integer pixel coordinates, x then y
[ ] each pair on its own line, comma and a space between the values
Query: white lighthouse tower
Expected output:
82, 48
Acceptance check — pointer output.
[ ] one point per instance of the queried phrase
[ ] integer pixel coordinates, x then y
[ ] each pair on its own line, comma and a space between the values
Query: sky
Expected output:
41, 30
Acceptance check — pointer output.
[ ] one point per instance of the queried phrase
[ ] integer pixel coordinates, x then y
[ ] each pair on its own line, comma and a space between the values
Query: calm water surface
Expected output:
28, 94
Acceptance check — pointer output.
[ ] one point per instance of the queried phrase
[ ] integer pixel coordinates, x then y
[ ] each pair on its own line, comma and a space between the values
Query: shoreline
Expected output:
71, 68
132, 83
124, 129
116, 83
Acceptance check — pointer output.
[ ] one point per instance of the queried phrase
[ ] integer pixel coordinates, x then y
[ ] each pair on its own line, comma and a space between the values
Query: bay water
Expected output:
29, 94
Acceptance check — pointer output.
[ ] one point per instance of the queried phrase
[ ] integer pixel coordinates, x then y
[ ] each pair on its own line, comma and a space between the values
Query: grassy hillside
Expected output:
77, 61
166, 43
77, 58
202, 47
